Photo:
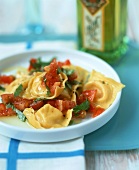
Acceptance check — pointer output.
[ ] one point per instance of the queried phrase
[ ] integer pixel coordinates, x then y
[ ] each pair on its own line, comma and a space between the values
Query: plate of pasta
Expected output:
55, 95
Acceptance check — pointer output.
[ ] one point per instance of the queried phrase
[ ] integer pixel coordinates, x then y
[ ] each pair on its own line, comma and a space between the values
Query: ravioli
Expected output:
36, 89
48, 117
107, 89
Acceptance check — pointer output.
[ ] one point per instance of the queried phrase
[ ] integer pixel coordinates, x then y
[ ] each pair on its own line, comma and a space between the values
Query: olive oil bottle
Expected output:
102, 28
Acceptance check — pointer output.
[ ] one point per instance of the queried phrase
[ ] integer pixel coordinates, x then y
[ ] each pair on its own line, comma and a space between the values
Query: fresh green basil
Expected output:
18, 90
83, 106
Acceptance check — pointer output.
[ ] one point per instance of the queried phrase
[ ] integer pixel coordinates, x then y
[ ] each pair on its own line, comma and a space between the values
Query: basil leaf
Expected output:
20, 115
2, 88
69, 85
48, 91
59, 70
71, 122
83, 106
68, 72
18, 90
38, 66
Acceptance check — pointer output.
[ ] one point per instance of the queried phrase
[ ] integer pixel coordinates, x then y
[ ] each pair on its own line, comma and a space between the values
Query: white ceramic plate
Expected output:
19, 130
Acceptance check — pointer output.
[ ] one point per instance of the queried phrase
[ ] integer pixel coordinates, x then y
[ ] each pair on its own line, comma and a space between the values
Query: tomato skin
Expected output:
87, 94
67, 63
7, 98
51, 76
32, 61
96, 111
21, 103
37, 104
18, 102
6, 111
61, 105
2, 107
4, 79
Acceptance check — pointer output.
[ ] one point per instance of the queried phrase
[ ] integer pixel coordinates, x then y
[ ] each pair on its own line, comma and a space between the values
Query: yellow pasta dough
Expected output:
107, 88
48, 117
36, 89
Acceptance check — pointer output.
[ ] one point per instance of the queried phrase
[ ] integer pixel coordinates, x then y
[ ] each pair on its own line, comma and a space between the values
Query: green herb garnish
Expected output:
39, 64
68, 72
2, 88
20, 115
71, 122
83, 106
18, 90
68, 85
59, 70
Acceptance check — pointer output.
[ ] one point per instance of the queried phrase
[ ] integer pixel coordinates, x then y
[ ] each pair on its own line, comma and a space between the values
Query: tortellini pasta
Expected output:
48, 117
107, 89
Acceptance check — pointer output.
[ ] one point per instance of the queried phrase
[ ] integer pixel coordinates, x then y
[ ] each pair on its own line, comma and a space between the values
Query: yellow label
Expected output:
93, 24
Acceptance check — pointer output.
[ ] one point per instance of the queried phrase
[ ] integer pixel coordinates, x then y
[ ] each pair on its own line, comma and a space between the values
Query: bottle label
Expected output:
93, 19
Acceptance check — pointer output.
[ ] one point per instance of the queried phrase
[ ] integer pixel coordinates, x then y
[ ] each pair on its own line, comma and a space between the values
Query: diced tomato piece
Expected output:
4, 79
10, 112
37, 104
32, 61
52, 89
90, 94
62, 105
97, 111
21, 103
2, 107
51, 102
6, 112
87, 94
7, 98
51, 76
67, 62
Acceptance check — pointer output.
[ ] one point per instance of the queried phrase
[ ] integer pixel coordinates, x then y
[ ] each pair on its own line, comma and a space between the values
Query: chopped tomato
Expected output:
87, 94
37, 104
4, 79
7, 98
21, 103
6, 111
62, 105
65, 63
2, 107
97, 111
32, 61
18, 102
51, 76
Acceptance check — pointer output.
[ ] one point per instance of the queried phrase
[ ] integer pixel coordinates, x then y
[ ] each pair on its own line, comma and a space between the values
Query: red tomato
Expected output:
37, 104
32, 61
51, 76
67, 62
2, 107
21, 103
87, 94
6, 112
4, 79
62, 105
7, 98
97, 111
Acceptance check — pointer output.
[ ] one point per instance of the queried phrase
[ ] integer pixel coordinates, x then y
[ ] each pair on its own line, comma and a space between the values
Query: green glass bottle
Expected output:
102, 28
